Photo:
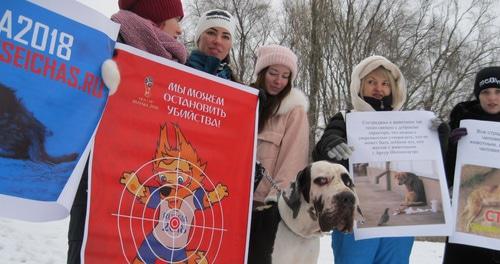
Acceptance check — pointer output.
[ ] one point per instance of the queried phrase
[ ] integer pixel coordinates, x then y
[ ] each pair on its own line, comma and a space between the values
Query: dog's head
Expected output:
403, 177
328, 193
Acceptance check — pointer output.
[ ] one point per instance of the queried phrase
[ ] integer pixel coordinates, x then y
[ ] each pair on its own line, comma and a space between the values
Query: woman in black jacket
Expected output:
485, 107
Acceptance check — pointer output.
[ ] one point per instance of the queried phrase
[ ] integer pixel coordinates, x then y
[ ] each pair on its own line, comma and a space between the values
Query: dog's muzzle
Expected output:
340, 215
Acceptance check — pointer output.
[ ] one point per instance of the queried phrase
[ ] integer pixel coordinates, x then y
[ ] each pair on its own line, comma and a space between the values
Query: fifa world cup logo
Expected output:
148, 85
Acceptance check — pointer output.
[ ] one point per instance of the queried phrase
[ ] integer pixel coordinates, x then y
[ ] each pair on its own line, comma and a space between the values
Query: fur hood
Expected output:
365, 67
295, 98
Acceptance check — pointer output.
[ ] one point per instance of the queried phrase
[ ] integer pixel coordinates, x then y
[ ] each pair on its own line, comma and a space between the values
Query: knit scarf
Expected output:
145, 35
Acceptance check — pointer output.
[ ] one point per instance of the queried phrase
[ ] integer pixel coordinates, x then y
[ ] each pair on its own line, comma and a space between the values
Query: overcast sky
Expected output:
109, 7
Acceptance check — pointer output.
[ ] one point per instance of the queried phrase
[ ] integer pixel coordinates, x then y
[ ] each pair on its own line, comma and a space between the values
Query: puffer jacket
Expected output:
463, 110
283, 144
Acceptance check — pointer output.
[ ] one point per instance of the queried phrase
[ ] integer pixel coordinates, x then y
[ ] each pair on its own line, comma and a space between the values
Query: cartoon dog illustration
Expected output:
179, 173
415, 192
483, 196
22, 136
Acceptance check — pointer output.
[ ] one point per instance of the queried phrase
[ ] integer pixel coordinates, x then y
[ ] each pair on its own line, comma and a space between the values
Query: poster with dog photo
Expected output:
476, 199
399, 176
51, 99
172, 166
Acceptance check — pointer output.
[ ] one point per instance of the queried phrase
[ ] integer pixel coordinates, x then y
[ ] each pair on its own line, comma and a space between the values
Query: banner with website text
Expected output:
399, 175
476, 189
172, 166
51, 99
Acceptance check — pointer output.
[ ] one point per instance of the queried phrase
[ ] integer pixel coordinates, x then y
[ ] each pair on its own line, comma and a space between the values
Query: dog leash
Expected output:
262, 172
273, 183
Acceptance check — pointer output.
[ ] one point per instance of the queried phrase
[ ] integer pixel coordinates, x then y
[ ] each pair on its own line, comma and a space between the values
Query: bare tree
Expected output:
438, 46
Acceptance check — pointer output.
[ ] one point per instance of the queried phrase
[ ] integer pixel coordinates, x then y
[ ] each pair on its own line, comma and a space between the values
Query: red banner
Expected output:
171, 169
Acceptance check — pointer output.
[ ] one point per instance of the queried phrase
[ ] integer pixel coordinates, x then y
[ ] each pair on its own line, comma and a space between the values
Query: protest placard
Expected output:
476, 192
51, 99
172, 166
398, 173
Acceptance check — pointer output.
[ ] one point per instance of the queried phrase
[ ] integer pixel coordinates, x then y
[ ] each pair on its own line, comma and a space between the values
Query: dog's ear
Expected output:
293, 200
347, 180
304, 182
300, 187
411, 177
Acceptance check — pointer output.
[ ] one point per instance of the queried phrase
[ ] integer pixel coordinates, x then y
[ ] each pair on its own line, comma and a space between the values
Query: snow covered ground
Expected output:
45, 243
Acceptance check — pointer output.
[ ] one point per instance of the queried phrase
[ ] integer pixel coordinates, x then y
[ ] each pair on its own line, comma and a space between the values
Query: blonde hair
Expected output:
395, 91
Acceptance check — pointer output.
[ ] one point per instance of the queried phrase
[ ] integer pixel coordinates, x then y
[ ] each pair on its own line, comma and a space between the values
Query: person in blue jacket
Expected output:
376, 85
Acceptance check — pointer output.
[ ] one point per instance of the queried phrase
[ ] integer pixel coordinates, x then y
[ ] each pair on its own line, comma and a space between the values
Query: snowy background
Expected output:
46, 243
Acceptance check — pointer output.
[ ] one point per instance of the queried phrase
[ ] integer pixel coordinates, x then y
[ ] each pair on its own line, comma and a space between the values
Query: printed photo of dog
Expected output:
415, 191
479, 201
22, 135
391, 195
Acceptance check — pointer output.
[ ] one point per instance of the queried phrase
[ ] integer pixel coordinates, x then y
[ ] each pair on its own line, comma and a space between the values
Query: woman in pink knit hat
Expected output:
283, 136
149, 25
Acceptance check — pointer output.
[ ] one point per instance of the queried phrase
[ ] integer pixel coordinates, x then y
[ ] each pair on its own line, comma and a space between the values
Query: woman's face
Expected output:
276, 79
376, 85
216, 42
172, 27
490, 100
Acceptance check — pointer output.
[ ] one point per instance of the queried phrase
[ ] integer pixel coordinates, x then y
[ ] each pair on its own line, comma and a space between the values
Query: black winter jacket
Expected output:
457, 253
464, 110
334, 134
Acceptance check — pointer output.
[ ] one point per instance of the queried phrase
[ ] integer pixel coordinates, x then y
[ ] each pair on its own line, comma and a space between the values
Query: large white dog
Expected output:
321, 199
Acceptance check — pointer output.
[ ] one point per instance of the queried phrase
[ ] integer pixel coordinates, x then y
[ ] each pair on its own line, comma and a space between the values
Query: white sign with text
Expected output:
399, 175
476, 192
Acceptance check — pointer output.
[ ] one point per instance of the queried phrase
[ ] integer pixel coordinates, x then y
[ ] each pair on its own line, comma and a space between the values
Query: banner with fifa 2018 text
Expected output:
51, 99
172, 166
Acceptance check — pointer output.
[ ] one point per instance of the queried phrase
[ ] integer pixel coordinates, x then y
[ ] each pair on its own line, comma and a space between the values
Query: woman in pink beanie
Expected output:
149, 25
283, 134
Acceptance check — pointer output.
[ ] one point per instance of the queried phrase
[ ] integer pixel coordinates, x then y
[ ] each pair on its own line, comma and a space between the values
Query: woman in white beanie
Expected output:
283, 139
214, 39
376, 85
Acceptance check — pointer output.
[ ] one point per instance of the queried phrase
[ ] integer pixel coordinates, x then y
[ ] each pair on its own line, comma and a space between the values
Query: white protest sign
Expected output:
476, 192
399, 175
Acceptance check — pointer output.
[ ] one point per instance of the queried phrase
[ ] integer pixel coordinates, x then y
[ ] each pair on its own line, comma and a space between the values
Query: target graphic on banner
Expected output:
176, 215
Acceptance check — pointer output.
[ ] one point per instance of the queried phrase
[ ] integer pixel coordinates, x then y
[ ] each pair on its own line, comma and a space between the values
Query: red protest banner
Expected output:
171, 167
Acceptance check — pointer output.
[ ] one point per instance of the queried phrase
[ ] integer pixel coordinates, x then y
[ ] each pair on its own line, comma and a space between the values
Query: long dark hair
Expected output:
272, 103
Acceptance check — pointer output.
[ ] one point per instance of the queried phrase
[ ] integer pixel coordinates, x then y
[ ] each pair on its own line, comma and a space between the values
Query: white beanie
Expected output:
215, 18
273, 55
